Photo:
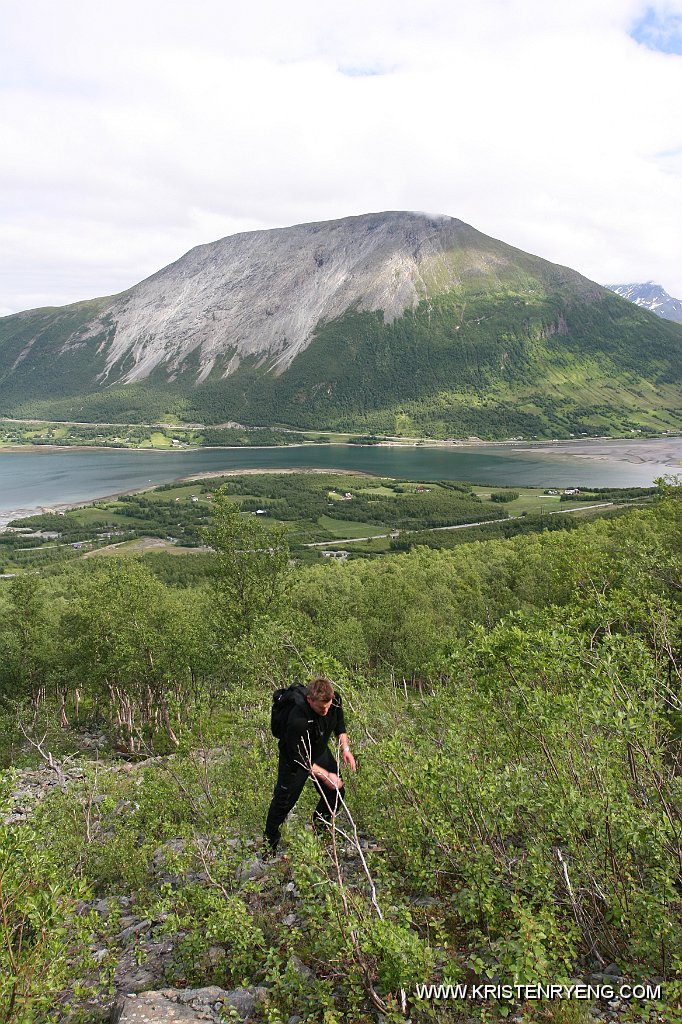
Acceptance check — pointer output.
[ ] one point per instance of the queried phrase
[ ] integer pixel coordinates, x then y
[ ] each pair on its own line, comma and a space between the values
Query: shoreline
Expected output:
674, 441
665, 453
63, 507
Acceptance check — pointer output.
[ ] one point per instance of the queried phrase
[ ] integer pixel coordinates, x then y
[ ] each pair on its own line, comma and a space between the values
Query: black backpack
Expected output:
283, 701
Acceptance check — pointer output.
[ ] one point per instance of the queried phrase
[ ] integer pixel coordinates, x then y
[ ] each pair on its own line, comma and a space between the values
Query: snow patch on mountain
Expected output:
651, 296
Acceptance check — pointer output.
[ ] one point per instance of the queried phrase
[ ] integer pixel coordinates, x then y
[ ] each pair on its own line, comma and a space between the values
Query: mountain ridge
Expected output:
651, 296
231, 295
393, 321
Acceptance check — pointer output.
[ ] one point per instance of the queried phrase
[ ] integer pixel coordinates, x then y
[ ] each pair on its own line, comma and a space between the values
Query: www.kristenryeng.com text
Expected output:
489, 992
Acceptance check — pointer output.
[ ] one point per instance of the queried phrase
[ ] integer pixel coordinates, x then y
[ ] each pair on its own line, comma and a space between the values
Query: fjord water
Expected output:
31, 480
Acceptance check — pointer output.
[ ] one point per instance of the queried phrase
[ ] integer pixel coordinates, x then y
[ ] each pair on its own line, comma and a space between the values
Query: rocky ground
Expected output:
187, 1006
140, 953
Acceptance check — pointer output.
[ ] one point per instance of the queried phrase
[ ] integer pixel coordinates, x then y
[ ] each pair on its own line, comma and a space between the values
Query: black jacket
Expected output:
307, 733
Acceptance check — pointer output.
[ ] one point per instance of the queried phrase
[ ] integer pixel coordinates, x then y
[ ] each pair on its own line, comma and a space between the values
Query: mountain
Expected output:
393, 322
651, 296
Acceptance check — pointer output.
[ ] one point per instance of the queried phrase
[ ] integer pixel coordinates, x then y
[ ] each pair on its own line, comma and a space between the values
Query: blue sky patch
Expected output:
362, 72
659, 30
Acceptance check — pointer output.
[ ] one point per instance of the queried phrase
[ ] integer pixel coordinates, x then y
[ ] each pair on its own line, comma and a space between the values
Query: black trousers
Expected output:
288, 788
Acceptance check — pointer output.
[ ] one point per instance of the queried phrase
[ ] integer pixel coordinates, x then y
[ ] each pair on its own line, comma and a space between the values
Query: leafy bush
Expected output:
504, 496
41, 939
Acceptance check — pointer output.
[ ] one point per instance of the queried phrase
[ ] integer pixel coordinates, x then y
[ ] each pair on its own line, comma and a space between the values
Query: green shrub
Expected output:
41, 939
504, 496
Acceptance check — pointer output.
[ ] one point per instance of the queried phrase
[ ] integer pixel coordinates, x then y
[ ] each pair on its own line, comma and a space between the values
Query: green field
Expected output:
140, 435
313, 511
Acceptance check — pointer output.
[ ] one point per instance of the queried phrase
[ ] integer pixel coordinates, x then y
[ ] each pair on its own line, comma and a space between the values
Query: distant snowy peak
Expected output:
651, 296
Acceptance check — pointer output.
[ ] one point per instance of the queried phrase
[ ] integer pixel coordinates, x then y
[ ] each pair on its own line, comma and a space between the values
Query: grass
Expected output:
88, 515
377, 546
157, 440
184, 492
141, 546
532, 499
350, 528
360, 487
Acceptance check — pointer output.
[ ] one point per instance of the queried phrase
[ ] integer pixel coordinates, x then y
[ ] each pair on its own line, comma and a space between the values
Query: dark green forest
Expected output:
514, 706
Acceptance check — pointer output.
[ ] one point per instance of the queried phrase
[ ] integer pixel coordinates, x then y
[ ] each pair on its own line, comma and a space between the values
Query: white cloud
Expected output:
132, 134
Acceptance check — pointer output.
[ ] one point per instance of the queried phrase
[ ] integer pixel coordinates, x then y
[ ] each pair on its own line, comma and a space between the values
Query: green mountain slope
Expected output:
501, 371
497, 343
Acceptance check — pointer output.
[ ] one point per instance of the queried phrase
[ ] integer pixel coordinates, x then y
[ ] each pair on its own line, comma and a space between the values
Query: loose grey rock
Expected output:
232, 298
250, 870
188, 1006
127, 919
135, 929
134, 980
301, 969
102, 908
172, 846
425, 901
154, 1008
132, 976
32, 785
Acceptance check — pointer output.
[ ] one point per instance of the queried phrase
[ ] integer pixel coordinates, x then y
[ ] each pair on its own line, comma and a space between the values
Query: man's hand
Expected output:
349, 759
346, 755
334, 781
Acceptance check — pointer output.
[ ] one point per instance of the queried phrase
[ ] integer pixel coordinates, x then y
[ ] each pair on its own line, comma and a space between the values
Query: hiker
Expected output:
314, 713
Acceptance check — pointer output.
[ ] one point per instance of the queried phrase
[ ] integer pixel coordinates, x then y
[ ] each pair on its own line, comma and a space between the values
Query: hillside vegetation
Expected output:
514, 706
493, 364
486, 365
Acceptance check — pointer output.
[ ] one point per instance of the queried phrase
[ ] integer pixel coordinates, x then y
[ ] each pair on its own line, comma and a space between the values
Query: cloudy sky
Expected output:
133, 131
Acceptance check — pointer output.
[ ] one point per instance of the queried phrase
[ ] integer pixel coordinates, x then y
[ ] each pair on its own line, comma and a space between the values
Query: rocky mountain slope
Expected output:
399, 322
262, 294
651, 296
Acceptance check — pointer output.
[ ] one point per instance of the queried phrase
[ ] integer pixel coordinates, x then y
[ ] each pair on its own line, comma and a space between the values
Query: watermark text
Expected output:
489, 992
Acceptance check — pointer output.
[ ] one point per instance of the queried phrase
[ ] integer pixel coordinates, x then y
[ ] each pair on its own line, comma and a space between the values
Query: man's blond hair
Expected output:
320, 689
